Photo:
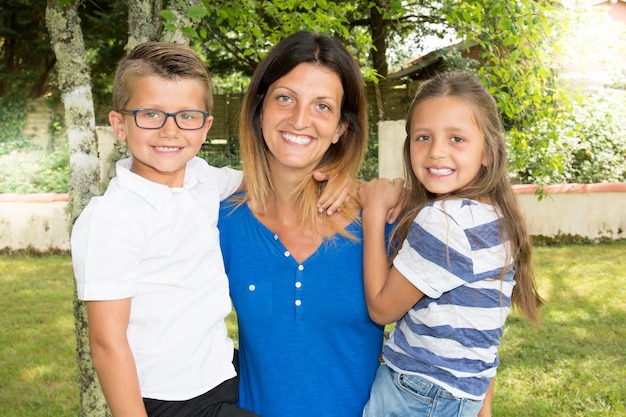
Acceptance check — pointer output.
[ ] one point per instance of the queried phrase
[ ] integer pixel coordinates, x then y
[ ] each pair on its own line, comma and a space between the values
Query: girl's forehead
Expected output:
451, 109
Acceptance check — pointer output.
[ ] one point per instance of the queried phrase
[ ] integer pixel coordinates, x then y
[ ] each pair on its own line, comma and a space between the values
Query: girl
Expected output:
464, 258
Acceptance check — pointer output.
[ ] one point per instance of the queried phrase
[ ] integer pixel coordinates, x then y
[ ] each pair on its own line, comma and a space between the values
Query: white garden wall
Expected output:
591, 211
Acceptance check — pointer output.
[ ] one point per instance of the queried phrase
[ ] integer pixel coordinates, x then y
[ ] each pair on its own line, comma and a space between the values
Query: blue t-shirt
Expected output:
307, 346
454, 254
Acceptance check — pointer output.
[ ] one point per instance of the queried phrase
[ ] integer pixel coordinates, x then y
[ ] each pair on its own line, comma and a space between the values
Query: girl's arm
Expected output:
387, 293
485, 411
112, 357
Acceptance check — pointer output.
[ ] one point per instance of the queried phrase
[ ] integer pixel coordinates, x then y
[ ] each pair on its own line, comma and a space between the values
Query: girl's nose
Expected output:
437, 149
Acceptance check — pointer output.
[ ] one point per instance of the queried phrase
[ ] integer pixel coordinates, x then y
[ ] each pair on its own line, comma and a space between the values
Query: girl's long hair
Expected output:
492, 181
346, 156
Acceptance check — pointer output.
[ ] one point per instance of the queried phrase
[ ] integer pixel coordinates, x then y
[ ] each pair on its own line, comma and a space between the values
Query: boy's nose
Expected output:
170, 127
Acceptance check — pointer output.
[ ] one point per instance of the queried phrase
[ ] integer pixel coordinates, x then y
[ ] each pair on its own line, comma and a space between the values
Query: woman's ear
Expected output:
341, 129
116, 120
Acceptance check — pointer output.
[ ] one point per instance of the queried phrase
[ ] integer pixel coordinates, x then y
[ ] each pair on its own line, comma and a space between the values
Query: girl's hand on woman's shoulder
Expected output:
384, 195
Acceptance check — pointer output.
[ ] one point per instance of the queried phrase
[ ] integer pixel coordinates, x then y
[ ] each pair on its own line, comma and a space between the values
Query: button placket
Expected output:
298, 291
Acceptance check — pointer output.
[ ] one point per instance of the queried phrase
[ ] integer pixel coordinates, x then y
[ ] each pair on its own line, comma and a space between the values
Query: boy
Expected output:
146, 254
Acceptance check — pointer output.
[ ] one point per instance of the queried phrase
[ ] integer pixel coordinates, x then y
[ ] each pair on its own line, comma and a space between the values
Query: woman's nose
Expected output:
299, 118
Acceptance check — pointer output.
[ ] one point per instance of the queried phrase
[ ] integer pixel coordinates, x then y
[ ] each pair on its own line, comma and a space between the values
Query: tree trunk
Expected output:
183, 20
378, 28
144, 21
74, 82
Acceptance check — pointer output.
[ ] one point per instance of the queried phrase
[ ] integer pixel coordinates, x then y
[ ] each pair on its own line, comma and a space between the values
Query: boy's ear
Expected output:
207, 125
117, 123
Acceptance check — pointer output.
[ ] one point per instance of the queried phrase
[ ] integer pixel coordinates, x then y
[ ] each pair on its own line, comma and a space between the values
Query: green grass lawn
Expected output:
574, 364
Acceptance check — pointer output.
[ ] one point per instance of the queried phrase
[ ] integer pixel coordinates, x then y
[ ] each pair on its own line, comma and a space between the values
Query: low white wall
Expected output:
592, 211
38, 222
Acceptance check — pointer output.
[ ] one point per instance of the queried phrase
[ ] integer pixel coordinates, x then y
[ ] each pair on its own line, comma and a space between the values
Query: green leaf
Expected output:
167, 15
197, 12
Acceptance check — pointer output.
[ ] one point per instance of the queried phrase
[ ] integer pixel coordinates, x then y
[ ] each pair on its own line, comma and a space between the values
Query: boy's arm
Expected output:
112, 357
388, 294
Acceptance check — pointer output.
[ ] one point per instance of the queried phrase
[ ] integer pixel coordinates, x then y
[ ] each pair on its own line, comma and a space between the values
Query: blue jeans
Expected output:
399, 395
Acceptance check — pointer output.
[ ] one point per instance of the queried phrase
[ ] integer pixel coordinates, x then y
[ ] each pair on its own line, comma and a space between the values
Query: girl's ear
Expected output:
341, 129
486, 159
117, 123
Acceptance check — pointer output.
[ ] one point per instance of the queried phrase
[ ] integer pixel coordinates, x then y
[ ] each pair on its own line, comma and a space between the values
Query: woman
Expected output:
307, 345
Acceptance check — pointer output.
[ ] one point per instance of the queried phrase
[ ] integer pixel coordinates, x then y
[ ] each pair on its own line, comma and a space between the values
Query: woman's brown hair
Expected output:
344, 157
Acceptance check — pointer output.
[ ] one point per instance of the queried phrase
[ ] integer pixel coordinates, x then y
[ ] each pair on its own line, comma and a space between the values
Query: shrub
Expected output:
13, 111
586, 145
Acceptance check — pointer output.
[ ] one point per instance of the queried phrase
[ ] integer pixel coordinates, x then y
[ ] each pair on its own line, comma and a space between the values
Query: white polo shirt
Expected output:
160, 247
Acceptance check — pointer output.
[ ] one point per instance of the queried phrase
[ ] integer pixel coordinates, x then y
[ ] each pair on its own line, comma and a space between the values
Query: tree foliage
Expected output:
235, 35
516, 63
26, 59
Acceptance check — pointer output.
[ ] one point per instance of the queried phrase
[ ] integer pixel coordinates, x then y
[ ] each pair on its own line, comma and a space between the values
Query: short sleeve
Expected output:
230, 180
106, 254
436, 256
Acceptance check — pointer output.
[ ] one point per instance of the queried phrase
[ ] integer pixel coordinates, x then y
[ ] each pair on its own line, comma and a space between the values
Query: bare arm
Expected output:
112, 357
485, 411
387, 293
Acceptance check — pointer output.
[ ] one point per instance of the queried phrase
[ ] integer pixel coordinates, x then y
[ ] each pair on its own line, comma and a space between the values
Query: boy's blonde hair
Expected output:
166, 60
492, 181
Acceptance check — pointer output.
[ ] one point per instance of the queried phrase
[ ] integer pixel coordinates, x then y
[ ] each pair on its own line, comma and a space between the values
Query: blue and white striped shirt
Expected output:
454, 254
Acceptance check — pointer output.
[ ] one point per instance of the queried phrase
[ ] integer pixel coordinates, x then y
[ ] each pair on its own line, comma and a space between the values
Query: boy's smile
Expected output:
161, 155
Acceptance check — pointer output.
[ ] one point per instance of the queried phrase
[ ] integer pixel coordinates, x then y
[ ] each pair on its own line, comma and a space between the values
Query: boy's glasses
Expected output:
156, 118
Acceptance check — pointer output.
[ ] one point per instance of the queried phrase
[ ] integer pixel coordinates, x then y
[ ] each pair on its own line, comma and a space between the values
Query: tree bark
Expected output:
378, 28
144, 21
183, 20
74, 82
